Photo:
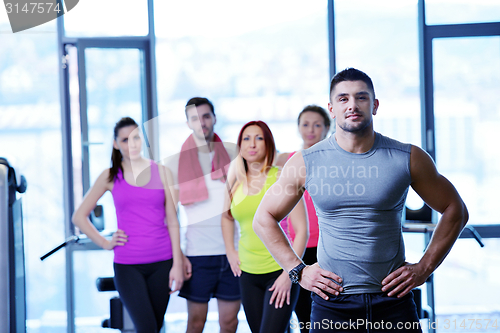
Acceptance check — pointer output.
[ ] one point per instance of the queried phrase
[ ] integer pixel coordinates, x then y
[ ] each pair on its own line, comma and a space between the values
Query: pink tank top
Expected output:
140, 212
313, 221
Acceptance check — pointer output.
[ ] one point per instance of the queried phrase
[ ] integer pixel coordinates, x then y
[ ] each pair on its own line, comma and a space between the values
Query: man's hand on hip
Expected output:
404, 279
319, 281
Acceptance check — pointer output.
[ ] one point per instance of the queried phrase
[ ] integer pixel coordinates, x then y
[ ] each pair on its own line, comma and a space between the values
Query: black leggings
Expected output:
255, 296
144, 291
303, 307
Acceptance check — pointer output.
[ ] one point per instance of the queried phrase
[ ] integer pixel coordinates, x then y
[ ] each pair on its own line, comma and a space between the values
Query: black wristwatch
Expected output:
296, 273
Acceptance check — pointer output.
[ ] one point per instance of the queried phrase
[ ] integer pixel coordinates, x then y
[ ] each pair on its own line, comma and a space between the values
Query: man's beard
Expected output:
357, 127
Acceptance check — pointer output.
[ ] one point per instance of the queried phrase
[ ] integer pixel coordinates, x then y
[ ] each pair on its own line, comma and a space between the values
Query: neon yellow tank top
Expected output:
254, 256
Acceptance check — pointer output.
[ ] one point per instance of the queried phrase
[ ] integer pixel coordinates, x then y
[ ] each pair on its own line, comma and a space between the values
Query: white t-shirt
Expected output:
203, 235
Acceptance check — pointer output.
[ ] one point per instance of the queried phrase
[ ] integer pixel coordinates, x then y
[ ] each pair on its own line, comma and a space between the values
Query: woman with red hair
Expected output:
267, 293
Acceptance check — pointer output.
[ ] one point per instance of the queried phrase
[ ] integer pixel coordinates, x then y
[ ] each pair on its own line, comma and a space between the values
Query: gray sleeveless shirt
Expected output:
359, 200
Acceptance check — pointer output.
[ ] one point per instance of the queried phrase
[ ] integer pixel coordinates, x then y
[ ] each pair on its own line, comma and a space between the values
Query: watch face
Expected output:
295, 273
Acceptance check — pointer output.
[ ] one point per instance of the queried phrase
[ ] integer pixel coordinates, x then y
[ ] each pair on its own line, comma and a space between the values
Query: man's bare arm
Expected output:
278, 201
300, 224
441, 196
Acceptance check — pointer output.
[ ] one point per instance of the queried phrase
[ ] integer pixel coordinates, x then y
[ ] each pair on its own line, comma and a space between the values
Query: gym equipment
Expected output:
118, 315
69, 240
12, 274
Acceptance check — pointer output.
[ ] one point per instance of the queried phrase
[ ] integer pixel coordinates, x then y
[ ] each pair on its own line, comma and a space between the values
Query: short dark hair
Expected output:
319, 110
197, 101
351, 74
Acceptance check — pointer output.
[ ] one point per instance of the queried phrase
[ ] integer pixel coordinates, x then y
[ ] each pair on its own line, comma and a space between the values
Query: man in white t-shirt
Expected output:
199, 176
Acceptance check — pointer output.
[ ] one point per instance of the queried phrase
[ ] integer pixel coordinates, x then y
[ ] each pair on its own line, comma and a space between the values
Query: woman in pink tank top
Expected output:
147, 253
314, 124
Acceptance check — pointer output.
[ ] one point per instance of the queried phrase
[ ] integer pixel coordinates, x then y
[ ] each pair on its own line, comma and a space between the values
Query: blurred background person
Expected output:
267, 293
199, 173
147, 254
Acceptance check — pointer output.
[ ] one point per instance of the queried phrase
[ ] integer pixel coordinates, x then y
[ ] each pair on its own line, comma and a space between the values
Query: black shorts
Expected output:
211, 277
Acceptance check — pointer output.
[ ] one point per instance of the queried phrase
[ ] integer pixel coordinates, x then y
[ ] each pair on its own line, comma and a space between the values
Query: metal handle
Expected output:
72, 239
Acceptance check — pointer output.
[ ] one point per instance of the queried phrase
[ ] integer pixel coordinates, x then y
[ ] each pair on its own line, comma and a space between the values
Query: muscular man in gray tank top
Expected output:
358, 180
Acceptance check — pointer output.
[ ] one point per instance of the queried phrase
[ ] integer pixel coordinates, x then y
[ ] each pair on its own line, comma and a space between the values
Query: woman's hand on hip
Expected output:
119, 238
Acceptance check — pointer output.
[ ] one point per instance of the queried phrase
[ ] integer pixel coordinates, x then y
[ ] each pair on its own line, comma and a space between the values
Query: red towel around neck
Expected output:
192, 187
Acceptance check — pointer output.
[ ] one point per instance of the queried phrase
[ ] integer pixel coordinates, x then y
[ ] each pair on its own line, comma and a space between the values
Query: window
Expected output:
266, 64
474, 267
461, 11
381, 39
467, 118
94, 18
